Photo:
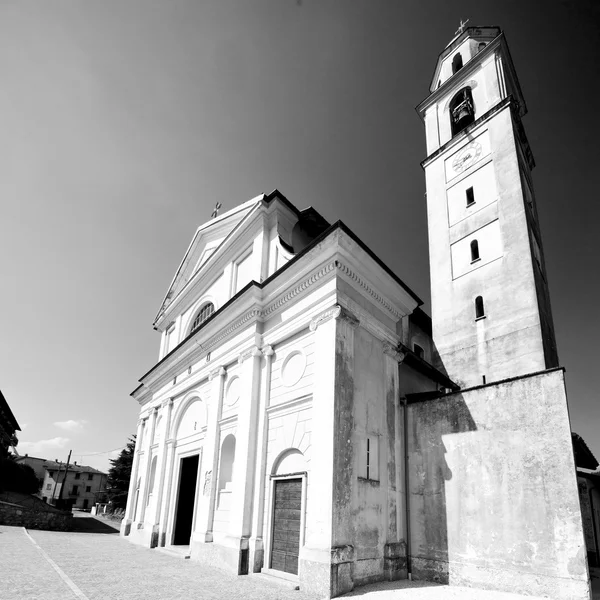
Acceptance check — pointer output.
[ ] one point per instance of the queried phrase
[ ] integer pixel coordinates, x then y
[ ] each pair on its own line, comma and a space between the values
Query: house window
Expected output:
48, 486
462, 110
77, 475
205, 312
474, 251
457, 63
418, 351
479, 310
470, 196
90, 476
75, 490
88, 488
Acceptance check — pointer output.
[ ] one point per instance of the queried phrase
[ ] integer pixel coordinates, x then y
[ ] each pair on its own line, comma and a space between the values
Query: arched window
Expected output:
474, 250
418, 350
479, 311
462, 110
481, 46
205, 312
457, 63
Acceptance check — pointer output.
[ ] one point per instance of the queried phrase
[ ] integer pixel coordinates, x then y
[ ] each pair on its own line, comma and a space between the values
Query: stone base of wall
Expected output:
34, 517
226, 552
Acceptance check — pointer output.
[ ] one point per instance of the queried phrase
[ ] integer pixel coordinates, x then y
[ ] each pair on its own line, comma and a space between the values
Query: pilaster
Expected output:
131, 499
257, 542
207, 483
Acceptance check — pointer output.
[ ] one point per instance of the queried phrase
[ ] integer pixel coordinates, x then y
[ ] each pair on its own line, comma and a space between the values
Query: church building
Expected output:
306, 419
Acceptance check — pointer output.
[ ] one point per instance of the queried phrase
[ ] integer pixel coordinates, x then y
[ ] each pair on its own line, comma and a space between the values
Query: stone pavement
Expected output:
49, 565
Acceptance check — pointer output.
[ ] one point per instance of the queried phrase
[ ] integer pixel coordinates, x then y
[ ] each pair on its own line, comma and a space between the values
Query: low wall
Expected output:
493, 491
34, 517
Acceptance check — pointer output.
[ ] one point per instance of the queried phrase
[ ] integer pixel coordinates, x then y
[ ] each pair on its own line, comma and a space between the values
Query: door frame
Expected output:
302, 475
179, 456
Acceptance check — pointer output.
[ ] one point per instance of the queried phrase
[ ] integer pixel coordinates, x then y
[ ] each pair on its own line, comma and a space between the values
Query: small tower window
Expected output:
481, 46
474, 250
470, 196
457, 63
205, 312
462, 110
418, 350
479, 310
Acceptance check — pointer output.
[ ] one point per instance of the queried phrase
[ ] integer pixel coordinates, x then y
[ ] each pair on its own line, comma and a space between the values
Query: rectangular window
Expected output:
75, 489
48, 486
470, 196
77, 475
90, 476
88, 488
242, 272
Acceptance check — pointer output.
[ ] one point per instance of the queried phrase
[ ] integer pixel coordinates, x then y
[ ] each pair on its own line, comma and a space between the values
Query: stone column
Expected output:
240, 521
394, 552
206, 506
145, 480
257, 545
129, 510
160, 476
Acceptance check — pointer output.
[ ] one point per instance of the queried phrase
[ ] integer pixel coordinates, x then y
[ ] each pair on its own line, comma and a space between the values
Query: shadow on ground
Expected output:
91, 525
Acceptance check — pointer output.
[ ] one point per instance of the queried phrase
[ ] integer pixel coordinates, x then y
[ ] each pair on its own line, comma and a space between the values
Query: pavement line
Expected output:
60, 572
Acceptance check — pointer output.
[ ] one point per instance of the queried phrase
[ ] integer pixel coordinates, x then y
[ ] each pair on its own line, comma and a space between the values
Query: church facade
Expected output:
307, 419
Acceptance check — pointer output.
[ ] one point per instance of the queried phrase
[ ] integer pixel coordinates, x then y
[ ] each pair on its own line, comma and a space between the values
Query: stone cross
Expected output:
216, 211
461, 27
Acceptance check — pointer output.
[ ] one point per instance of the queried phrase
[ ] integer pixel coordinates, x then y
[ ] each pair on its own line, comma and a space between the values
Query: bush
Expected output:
15, 477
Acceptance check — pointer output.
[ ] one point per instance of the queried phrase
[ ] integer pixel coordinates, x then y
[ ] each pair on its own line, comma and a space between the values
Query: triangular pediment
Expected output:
205, 244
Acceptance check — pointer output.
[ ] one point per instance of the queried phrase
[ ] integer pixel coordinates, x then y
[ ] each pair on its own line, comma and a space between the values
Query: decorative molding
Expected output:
345, 315
365, 286
331, 313
299, 288
254, 351
394, 352
218, 372
223, 333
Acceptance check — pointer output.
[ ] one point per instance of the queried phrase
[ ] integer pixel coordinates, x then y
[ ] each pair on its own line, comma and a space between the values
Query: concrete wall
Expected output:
493, 493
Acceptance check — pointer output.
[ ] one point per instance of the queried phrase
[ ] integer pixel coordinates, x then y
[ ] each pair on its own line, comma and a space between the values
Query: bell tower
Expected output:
489, 293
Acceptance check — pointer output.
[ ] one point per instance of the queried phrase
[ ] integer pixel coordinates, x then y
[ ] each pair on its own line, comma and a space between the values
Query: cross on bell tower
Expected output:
489, 293
461, 27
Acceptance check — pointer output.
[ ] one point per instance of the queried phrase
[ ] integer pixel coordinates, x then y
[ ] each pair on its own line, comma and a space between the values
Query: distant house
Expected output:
82, 486
8, 427
38, 465
588, 483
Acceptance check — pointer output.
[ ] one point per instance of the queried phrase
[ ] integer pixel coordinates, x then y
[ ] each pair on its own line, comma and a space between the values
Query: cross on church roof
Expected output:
215, 212
461, 27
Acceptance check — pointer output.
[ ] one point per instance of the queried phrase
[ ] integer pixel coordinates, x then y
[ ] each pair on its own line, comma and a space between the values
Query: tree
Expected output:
117, 484
16, 477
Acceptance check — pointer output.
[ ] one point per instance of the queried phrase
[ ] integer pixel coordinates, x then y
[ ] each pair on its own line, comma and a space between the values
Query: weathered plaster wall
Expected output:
493, 492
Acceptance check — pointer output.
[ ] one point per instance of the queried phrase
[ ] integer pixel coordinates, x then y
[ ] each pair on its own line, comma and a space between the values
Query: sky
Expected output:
123, 122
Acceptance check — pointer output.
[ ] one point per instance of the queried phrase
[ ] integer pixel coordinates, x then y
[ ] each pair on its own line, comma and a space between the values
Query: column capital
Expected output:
268, 350
395, 351
334, 312
254, 351
218, 372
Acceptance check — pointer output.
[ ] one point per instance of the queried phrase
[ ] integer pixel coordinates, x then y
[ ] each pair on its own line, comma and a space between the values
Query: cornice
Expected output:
344, 268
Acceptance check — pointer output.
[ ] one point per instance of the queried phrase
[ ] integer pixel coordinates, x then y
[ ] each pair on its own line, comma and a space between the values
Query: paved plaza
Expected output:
94, 563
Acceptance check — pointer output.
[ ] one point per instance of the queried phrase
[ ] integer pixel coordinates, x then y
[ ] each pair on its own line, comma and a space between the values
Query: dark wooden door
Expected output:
285, 543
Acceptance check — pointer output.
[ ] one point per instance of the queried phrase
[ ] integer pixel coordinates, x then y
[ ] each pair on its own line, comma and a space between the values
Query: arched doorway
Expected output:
288, 480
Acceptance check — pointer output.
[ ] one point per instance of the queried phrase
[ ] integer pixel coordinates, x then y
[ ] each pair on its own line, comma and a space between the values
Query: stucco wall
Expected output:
493, 492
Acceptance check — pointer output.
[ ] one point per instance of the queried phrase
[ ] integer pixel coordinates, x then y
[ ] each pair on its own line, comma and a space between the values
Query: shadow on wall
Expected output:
432, 423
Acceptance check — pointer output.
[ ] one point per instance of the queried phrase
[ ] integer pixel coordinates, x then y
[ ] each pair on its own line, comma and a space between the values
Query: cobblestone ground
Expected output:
47, 565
